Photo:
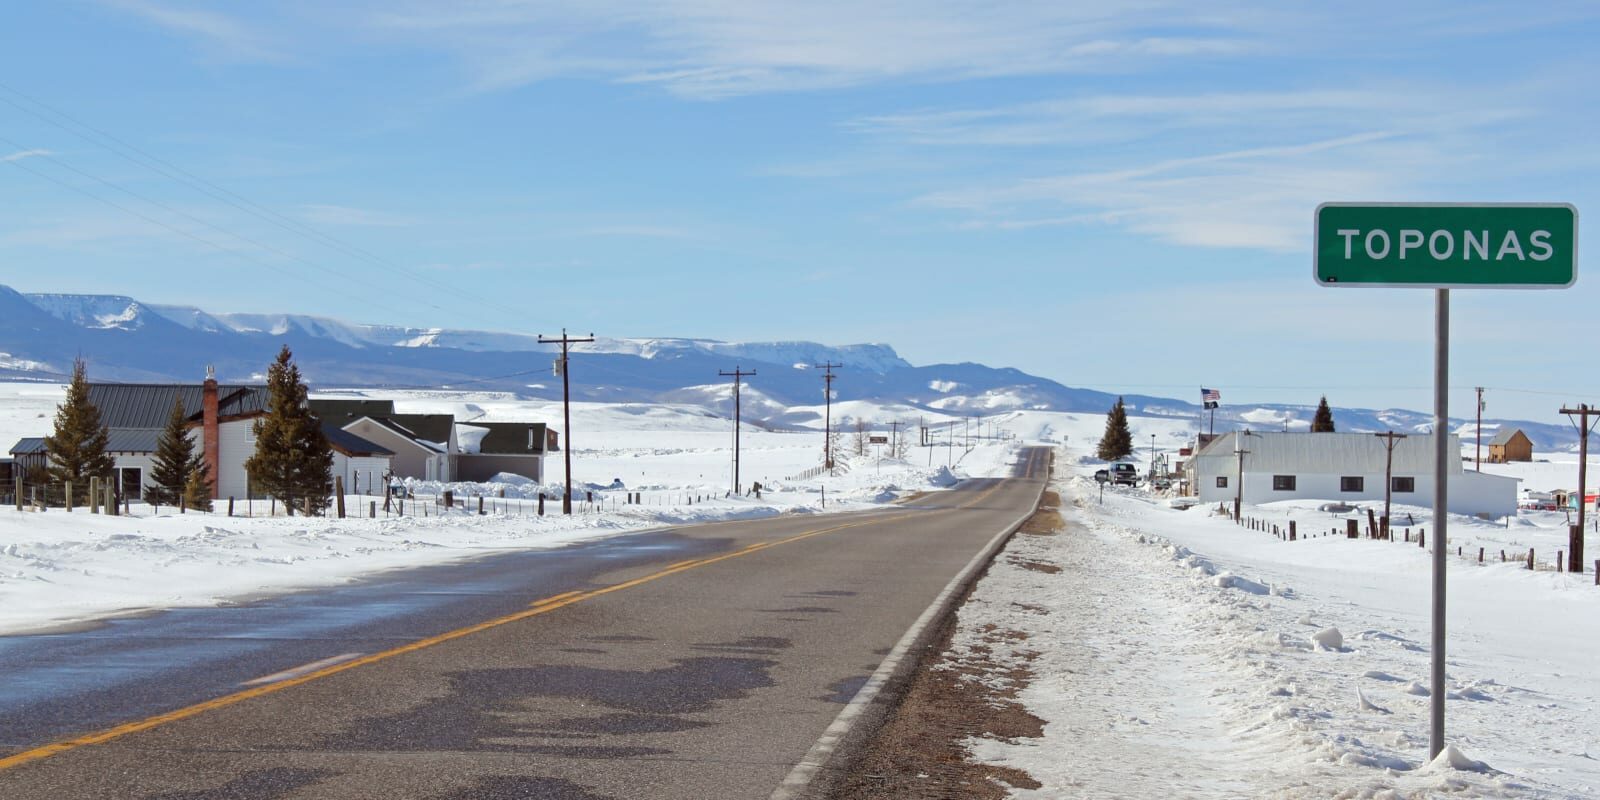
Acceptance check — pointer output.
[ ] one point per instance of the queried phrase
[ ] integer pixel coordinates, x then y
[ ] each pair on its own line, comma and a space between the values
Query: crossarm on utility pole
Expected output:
737, 374
566, 408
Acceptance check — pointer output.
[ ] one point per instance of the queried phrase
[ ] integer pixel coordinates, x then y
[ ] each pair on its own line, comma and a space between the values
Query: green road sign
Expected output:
1447, 245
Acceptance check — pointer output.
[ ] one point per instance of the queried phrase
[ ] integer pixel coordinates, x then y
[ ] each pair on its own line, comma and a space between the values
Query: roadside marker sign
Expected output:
1446, 245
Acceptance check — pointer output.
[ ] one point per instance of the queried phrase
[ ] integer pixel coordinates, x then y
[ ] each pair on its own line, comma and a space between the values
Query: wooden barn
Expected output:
1510, 445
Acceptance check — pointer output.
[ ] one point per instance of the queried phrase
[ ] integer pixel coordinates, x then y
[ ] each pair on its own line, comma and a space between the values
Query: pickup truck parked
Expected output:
1123, 473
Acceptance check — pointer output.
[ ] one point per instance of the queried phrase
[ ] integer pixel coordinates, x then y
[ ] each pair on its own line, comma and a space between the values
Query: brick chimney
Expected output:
210, 432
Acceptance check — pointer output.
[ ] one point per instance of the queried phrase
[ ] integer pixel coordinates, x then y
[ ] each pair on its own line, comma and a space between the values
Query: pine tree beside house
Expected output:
175, 461
1323, 421
1118, 440
197, 490
293, 461
77, 446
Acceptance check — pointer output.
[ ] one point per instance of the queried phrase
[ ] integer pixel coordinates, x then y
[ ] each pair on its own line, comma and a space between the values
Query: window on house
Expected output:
130, 481
1405, 484
1222, 481
1283, 483
1352, 483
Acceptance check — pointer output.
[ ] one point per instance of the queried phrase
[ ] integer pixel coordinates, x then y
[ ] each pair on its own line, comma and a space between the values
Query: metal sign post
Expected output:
1441, 505
1441, 246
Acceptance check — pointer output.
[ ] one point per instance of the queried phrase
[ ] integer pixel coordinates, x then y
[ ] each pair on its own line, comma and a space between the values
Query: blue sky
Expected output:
1111, 195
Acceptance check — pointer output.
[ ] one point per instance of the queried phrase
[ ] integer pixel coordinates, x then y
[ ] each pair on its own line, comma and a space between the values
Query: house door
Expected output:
130, 482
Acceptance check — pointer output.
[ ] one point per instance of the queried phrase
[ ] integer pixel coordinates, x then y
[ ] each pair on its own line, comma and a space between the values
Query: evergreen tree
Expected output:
1323, 421
293, 461
174, 460
77, 447
197, 490
1117, 442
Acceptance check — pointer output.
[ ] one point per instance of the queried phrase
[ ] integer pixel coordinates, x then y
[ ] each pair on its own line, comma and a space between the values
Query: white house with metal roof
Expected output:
1339, 466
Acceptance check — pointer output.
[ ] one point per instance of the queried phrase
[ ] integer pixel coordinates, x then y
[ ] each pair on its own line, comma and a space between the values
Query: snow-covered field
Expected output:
58, 568
1178, 654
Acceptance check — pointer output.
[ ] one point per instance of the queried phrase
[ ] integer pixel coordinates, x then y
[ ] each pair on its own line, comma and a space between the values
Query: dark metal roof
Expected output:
400, 430
1504, 436
27, 446
351, 444
147, 405
429, 427
348, 411
511, 438
132, 440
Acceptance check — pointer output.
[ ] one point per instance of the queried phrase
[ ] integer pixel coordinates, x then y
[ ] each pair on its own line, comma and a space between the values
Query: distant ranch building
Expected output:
1511, 445
1340, 466
490, 448
424, 445
221, 423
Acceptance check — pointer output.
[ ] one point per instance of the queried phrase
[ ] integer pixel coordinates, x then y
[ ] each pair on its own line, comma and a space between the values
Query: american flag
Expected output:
1210, 397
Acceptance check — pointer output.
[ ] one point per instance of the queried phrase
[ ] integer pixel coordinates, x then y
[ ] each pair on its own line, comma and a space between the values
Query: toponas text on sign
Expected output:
1446, 245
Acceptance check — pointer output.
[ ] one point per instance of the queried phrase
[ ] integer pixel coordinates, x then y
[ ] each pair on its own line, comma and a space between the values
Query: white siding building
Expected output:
1340, 466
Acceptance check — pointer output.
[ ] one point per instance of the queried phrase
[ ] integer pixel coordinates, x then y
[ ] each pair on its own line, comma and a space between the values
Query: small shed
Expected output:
28, 455
1510, 445
359, 463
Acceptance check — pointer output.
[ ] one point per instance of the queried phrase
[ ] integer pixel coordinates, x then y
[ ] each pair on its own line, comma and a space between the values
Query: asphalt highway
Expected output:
698, 662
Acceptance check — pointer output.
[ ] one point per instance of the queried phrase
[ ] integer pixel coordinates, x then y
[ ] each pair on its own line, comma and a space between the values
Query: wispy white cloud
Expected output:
223, 36
1272, 157
718, 48
24, 154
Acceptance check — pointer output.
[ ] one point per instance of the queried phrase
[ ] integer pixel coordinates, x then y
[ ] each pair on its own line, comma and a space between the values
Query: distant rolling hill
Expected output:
124, 339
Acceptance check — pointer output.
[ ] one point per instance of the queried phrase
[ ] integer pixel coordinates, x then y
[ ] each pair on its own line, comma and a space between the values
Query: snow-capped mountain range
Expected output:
124, 339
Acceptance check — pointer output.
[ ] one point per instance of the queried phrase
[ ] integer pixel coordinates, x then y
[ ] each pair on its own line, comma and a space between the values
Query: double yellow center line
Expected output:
543, 606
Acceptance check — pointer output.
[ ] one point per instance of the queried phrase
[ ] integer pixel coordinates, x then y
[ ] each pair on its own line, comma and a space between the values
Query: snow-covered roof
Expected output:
1327, 453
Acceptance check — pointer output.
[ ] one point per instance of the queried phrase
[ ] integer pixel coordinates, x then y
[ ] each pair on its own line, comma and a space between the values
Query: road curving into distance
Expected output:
706, 661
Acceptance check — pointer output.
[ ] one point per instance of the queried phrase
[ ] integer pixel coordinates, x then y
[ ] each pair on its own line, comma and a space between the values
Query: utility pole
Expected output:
566, 406
1238, 493
1575, 533
1477, 449
737, 375
894, 438
1389, 440
1152, 456
827, 368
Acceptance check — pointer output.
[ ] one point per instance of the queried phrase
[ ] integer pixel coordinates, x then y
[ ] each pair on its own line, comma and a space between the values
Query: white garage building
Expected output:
1340, 466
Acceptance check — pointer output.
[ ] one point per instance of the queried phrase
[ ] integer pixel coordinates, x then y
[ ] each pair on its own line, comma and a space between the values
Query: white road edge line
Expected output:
303, 669
800, 777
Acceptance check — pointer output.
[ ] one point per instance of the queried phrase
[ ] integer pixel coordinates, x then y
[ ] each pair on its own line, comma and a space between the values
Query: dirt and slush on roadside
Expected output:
919, 753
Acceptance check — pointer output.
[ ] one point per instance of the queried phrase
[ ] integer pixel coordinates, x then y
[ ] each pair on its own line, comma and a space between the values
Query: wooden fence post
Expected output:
67, 501
1480, 555
480, 505
338, 494
1422, 538
541, 504
1352, 529
1372, 525
18, 498
1291, 530
230, 505
1559, 565
372, 509
1530, 558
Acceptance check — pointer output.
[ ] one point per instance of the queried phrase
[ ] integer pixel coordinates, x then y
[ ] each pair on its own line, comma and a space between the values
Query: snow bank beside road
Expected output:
1155, 678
